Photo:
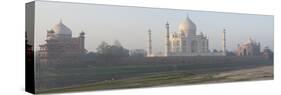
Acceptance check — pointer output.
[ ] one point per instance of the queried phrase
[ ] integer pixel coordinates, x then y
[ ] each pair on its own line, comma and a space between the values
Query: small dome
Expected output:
61, 30
250, 41
82, 33
187, 27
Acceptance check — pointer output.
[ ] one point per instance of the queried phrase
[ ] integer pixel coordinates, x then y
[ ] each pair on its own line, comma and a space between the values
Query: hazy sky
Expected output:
129, 25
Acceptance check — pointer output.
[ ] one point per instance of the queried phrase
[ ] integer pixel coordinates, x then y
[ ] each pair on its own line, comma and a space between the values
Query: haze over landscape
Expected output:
129, 25
155, 47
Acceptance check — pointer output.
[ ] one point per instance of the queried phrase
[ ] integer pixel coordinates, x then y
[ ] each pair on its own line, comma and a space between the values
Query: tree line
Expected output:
105, 50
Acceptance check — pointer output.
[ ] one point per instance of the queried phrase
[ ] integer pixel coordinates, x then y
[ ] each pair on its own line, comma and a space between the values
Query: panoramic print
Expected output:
88, 47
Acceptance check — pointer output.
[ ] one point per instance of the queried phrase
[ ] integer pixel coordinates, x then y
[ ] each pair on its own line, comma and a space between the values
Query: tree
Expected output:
103, 48
117, 43
118, 50
115, 50
215, 50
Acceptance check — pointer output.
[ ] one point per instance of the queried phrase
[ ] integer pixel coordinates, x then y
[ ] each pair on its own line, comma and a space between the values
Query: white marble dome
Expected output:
187, 27
61, 30
249, 41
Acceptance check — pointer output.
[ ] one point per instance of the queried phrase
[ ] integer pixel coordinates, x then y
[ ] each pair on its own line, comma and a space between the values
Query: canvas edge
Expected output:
29, 55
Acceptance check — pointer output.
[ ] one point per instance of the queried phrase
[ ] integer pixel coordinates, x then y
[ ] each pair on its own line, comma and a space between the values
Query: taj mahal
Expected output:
186, 42
61, 47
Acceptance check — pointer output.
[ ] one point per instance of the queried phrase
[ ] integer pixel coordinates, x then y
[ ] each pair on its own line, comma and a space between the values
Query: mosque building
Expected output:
60, 46
186, 42
248, 48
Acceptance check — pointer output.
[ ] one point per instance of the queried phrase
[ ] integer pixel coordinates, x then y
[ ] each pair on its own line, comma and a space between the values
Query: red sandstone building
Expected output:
60, 46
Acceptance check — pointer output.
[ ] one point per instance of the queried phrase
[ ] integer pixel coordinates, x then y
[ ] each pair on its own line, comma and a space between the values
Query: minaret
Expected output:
60, 21
82, 41
223, 41
149, 54
168, 48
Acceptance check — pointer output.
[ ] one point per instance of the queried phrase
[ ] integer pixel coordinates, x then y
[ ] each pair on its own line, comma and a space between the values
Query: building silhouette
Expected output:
61, 47
186, 42
248, 48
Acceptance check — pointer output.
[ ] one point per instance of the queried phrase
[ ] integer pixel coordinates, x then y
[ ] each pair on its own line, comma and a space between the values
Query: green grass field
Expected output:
172, 78
160, 79
66, 79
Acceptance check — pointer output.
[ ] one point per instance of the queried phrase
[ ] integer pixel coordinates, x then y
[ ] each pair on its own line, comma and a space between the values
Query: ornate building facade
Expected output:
186, 42
248, 48
267, 53
61, 47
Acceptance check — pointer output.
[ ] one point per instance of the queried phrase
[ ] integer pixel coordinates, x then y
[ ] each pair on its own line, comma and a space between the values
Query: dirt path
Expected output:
259, 73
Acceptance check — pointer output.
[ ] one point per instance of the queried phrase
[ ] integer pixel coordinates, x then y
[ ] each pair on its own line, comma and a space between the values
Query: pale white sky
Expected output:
129, 25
